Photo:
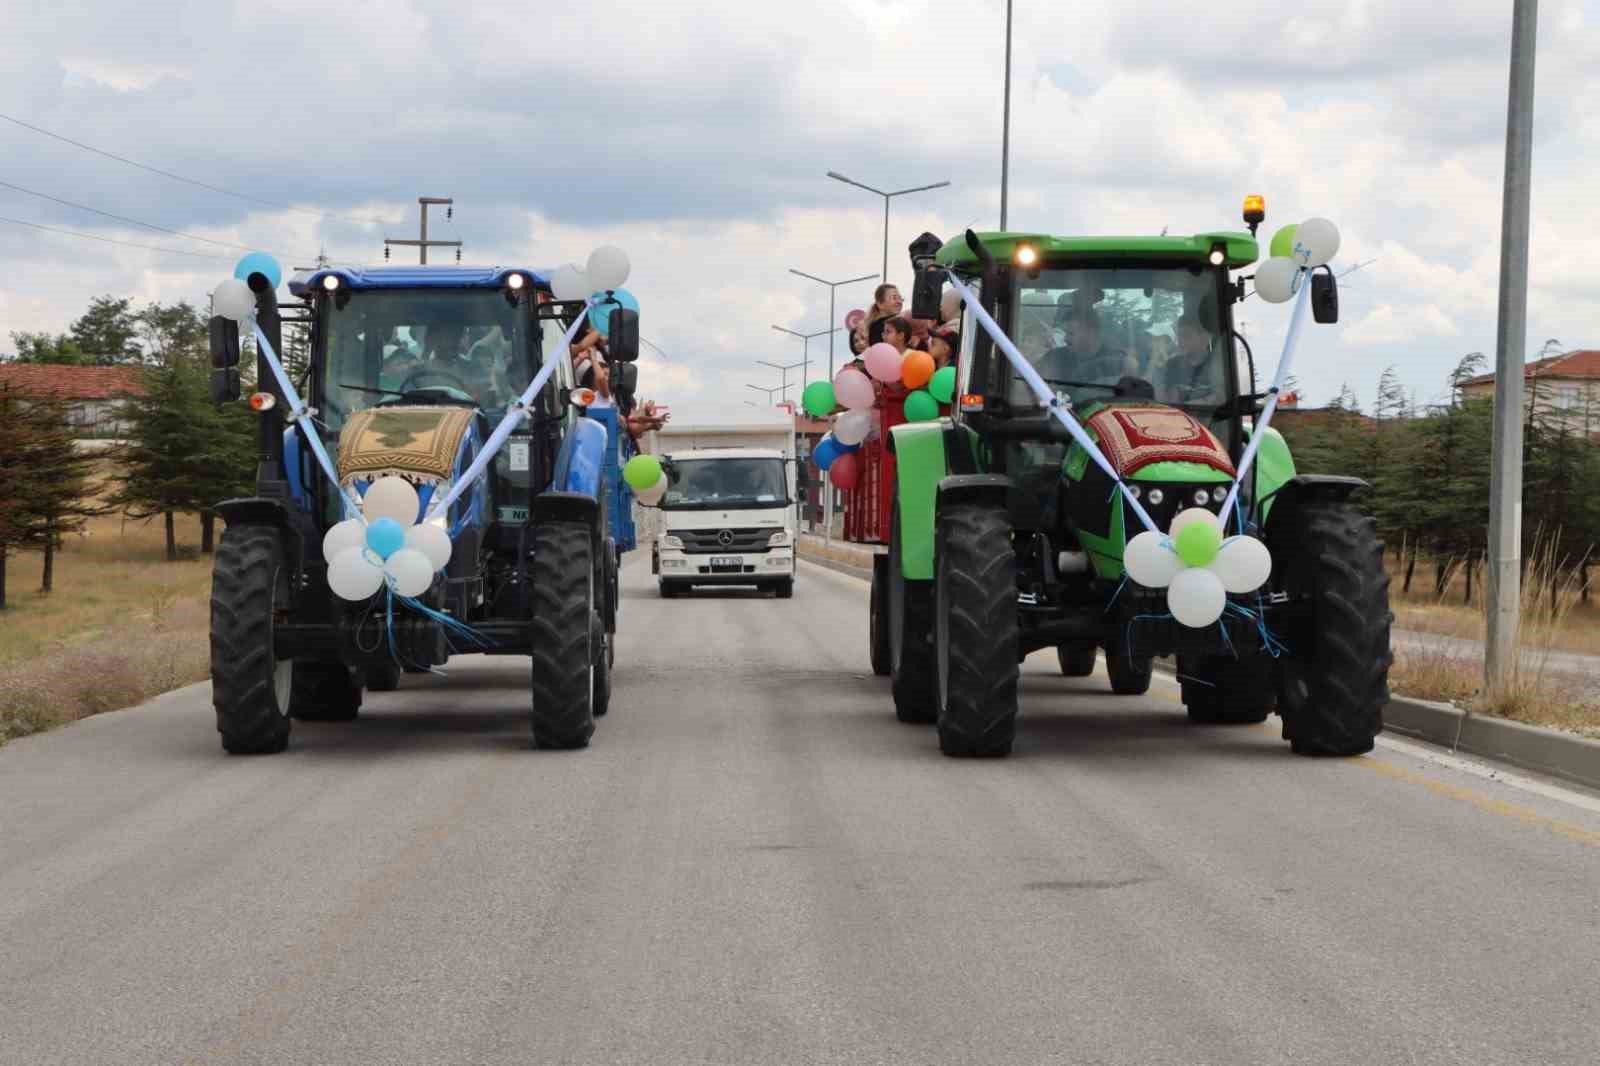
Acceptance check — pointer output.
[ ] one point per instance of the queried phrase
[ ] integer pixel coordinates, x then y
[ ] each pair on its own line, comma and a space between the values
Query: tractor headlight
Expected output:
1219, 494
1200, 497
1155, 497
1133, 490
515, 282
780, 539
1027, 256
670, 541
330, 282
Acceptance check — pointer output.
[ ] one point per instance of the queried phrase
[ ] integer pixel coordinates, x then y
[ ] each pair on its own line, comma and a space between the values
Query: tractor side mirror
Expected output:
1324, 298
926, 293
622, 343
224, 386
224, 343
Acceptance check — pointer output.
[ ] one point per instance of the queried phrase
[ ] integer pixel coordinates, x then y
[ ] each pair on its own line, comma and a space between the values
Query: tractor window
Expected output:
1130, 332
386, 345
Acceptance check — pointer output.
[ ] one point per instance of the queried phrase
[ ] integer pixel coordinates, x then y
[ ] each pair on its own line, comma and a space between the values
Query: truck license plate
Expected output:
725, 562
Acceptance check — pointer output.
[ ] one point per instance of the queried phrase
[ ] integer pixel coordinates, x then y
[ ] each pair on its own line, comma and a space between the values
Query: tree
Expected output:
172, 332
44, 481
44, 348
108, 332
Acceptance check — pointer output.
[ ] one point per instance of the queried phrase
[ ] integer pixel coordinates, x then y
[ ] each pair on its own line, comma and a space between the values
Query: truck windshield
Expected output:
1089, 331
384, 346
707, 483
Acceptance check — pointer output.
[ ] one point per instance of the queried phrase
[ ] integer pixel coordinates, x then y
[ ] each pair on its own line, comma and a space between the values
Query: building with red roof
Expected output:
1565, 386
93, 394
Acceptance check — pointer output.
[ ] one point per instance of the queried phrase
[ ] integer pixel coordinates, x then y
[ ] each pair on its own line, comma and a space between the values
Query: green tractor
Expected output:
1008, 534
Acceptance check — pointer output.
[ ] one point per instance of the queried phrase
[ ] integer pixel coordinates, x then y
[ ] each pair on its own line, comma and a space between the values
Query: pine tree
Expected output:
45, 483
108, 332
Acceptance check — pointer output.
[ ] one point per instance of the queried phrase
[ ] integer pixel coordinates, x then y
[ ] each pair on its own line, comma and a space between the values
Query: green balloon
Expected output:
921, 407
818, 399
642, 471
1283, 241
943, 384
1197, 543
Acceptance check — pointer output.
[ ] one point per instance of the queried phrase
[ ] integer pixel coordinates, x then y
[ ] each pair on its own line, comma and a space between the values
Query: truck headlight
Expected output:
780, 539
675, 543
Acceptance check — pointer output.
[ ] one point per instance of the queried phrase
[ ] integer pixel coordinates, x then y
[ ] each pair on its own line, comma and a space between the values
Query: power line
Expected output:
109, 240
189, 181
136, 222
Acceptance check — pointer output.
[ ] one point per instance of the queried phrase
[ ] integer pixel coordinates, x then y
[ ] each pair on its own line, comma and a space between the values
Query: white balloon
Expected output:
608, 267
233, 299
1150, 560
1275, 279
410, 571
570, 283
1316, 241
390, 497
352, 575
431, 540
852, 427
1192, 514
351, 533
652, 495
1243, 564
1195, 597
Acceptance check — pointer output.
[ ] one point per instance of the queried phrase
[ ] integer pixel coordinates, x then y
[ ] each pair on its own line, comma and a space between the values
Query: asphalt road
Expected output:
755, 864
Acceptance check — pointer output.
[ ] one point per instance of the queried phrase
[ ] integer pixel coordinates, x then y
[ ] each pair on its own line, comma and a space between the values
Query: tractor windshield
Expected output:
699, 484
1123, 332
423, 345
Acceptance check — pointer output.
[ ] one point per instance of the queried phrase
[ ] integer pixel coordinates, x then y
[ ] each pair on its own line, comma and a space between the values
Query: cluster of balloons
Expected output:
1295, 249
645, 477
1196, 566
607, 270
233, 298
388, 545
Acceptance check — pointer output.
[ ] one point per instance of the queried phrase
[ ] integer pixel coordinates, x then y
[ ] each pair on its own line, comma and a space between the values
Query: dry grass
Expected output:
1422, 611
122, 625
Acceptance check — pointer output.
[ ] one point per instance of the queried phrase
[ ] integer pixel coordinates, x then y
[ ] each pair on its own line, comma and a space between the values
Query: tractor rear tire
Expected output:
563, 594
1129, 676
975, 619
250, 686
1226, 691
1333, 681
384, 676
877, 617
602, 667
910, 624
325, 692
1076, 660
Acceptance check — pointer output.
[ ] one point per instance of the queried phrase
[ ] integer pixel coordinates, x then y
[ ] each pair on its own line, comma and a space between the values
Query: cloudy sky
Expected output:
697, 135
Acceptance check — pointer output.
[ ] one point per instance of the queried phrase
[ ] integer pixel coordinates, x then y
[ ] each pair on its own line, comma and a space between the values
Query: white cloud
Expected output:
1387, 324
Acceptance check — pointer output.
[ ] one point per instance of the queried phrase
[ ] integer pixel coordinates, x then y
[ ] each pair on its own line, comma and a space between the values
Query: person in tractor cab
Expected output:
1083, 358
1193, 374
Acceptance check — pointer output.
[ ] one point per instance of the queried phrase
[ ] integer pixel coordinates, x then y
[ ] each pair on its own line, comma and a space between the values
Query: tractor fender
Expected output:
557, 506
254, 511
582, 459
919, 450
973, 488
1301, 489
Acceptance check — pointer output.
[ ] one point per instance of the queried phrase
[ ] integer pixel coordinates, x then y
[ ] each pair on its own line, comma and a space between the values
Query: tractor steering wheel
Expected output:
409, 385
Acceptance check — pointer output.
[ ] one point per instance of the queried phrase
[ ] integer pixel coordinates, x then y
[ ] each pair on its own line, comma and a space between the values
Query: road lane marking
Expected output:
1480, 801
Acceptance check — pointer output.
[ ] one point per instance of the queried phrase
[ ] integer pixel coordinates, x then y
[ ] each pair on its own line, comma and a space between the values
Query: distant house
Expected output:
92, 394
1568, 386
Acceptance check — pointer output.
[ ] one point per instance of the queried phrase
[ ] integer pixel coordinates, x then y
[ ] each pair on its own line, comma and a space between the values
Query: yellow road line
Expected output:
1482, 802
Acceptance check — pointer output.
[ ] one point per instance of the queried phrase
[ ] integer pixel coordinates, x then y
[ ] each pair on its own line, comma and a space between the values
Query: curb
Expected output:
1527, 747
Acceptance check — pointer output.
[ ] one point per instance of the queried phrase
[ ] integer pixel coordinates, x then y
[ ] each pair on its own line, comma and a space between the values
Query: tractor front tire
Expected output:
877, 617
975, 630
1076, 660
563, 593
384, 676
911, 658
1333, 680
1130, 676
601, 645
325, 692
250, 686
1226, 691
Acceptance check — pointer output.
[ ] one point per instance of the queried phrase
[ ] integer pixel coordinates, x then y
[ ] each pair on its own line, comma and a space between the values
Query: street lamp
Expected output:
785, 369
805, 356
833, 289
887, 196
762, 388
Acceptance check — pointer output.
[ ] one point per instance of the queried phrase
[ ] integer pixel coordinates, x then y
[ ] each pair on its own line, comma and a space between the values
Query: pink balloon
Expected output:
883, 361
854, 319
844, 471
853, 389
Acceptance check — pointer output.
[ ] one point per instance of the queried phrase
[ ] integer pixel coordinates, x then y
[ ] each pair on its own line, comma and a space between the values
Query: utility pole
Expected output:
805, 356
423, 244
887, 196
762, 388
785, 369
1505, 476
833, 290
1005, 126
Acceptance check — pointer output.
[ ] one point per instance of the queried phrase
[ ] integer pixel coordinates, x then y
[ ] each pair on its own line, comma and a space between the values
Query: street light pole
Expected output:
833, 288
805, 374
1005, 126
887, 196
785, 369
1505, 474
762, 388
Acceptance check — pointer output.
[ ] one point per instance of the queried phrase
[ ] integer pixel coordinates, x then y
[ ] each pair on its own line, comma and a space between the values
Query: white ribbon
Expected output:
1047, 397
300, 414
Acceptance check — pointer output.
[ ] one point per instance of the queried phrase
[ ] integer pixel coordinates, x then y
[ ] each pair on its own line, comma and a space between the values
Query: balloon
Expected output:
569, 283
409, 572
818, 399
1275, 280
1315, 242
432, 540
652, 495
600, 313
352, 575
1196, 598
943, 384
259, 263
853, 320
853, 389
1282, 245
1197, 543
921, 407
390, 497
916, 370
883, 361
641, 472
351, 533
233, 299
1243, 564
1150, 560
608, 267
385, 536
826, 451
844, 471
852, 427
1191, 514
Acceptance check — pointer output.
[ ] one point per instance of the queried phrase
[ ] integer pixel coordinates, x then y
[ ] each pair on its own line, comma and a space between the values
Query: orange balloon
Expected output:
916, 370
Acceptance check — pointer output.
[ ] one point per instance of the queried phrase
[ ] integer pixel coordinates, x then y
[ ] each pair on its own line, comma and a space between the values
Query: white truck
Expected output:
728, 516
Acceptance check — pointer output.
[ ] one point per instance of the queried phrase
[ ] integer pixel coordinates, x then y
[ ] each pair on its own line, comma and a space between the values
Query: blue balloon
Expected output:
600, 313
827, 450
259, 263
385, 536
845, 449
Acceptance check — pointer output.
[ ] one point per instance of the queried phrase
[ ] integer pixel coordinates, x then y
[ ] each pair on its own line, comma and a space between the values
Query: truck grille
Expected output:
731, 541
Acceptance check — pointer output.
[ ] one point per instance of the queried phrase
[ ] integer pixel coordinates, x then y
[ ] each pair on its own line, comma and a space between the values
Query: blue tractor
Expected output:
408, 371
